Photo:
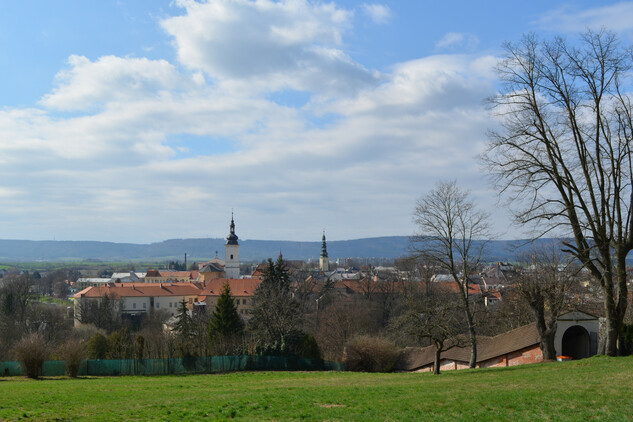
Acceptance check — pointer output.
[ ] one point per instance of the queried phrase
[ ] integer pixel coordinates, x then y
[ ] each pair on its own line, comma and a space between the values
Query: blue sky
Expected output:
139, 121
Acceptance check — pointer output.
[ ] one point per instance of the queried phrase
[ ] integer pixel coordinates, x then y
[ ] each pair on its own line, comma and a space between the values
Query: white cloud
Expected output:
268, 46
615, 17
379, 13
88, 84
458, 40
353, 159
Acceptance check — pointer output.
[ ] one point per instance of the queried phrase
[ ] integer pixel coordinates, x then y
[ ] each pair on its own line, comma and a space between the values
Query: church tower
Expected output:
324, 264
232, 261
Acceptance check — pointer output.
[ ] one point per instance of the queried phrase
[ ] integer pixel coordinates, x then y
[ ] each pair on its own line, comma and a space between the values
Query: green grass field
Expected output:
597, 389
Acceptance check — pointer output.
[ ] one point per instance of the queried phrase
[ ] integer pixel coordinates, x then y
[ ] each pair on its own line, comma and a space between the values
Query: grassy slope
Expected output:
594, 389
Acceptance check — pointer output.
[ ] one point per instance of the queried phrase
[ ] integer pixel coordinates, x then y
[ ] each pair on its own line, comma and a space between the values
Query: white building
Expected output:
140, 298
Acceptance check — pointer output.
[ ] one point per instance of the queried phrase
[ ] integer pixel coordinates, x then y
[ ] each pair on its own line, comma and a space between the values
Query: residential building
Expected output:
242, 291
140, 298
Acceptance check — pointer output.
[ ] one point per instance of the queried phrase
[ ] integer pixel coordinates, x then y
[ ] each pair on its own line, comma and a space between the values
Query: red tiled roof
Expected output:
179, 274
238, 286
140, 290
451, 286
259, 271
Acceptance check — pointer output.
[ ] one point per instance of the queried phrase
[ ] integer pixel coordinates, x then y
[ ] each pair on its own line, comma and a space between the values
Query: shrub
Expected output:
97, 346
72, 352
86, 331
120, 345
308, 347
31, 351
370, 354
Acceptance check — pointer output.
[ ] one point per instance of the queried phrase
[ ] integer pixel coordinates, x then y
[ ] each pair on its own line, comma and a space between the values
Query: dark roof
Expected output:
231, 239
211, 268
414, 358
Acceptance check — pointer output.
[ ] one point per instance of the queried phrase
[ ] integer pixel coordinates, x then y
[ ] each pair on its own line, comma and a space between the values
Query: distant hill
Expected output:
250, 250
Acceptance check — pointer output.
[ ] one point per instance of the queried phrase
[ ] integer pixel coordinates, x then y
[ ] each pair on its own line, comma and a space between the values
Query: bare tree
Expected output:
15, 299
343, 319
103, 313
563, 152
544, 286
436, 316
452, 234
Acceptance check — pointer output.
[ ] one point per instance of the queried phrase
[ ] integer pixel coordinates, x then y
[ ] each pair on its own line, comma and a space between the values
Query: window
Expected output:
244, 301
144, 305
170, 304
157, 305
231, 256
134, 305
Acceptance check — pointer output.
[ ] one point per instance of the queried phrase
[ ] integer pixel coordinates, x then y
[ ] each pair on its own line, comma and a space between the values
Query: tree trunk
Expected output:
472, 335
546, 334
612, 334
436, 362
547, 343
622, 302
612, 331
473, 344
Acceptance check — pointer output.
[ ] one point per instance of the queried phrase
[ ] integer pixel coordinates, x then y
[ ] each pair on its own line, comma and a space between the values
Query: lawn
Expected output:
593, 389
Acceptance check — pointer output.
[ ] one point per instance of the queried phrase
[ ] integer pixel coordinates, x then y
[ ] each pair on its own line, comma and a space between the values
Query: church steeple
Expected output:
324, 262
231, 239
232, 251
323, 247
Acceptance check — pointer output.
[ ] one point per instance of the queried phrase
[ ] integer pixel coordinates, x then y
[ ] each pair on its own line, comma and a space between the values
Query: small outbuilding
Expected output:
577, 335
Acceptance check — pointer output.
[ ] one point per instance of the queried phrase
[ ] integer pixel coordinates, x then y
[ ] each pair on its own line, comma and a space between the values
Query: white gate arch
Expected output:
577, 335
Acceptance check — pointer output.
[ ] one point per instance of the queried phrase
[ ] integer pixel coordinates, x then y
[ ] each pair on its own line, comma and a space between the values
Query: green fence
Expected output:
193, 365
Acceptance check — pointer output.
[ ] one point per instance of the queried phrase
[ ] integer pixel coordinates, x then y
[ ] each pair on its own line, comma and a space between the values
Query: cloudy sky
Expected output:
139, 121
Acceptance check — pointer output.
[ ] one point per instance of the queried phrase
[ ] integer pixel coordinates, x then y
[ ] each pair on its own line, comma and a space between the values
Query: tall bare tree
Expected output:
563, 152
544, 286
452, 235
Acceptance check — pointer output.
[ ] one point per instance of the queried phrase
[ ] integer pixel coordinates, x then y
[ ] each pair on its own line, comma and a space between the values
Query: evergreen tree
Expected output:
225, 321
275, 318
183, 325
185, 330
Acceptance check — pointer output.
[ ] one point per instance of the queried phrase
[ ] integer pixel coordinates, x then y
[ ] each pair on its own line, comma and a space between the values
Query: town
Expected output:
316, 210
333, 306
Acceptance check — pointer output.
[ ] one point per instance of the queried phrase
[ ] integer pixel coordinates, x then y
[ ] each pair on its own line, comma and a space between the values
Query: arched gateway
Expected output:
576, 342
577, 335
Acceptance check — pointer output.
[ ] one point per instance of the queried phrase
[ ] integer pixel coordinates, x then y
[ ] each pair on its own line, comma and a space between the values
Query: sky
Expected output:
145, 120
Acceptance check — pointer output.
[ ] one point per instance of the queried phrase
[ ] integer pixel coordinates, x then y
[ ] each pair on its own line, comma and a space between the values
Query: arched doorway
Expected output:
576, 342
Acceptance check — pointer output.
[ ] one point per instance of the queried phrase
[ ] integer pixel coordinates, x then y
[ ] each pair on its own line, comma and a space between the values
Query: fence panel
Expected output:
178, 366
